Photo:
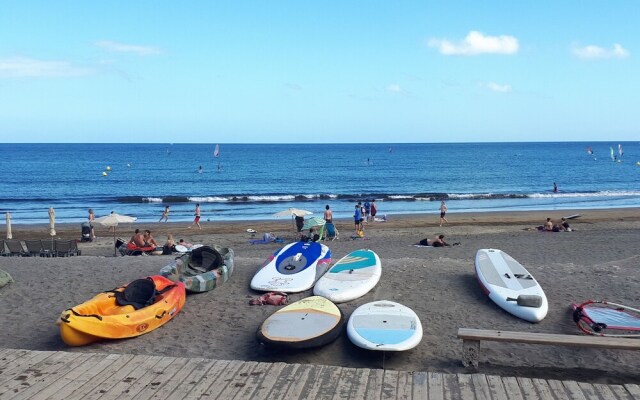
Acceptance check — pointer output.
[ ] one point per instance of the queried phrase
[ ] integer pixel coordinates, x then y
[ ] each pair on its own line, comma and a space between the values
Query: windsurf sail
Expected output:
613, 154
602, 318
589, 151
216, 151
620, 152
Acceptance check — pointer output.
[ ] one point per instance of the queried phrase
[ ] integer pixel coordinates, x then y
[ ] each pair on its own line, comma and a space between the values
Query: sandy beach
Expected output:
598, 260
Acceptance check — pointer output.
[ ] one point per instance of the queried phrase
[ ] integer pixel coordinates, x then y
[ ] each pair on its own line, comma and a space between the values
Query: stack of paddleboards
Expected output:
510, 285
316, 320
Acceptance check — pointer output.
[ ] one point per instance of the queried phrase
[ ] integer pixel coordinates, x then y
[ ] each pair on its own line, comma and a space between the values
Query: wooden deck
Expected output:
28, 374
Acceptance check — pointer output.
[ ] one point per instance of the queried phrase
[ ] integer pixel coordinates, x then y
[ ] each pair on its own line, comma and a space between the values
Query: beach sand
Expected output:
600, 259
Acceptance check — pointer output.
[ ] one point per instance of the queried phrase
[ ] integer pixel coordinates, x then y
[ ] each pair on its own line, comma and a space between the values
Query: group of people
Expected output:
562, 226
142, 240
196, 219
363, 214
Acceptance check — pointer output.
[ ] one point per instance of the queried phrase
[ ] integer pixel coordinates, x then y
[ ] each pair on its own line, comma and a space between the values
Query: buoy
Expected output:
128, 165
108, 168
638, 163
104, 173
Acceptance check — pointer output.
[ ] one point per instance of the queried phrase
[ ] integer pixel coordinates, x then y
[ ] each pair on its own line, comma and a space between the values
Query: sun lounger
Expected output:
48, 248
63, 248
34, 247
3, 251
15, 248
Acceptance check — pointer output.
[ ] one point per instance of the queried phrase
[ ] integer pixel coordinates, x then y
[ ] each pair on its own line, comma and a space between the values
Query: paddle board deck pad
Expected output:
603, 318
510, 285
310, 322
353, 276
384, 325
293, 268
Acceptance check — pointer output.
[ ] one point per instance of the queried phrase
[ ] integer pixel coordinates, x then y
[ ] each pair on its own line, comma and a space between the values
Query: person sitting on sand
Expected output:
548, 226
565, 225
137, 240
169, 246
149, 240
438, 241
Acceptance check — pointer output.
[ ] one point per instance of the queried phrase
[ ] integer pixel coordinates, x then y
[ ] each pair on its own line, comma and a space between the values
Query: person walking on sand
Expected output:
196, 220
443, 212
165, 214
92, 217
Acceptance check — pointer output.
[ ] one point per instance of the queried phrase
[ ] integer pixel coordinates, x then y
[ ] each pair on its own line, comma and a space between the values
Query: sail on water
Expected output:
216, 154
620, 152
613, 154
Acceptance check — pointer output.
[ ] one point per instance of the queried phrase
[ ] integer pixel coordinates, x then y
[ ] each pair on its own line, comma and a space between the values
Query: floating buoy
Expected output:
108, 168
128, 165
638, 163
104, 173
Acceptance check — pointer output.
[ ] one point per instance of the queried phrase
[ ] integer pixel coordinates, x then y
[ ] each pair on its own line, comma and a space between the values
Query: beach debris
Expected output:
272, 298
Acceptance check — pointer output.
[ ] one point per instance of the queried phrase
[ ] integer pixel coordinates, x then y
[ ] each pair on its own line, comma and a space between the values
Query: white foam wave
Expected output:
152, 199
606, 193
208, 199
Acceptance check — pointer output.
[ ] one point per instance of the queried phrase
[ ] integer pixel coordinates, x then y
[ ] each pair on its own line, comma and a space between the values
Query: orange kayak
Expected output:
104, 316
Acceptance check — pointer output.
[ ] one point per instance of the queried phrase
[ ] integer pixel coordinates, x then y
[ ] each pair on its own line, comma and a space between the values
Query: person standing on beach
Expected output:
367, 210
328, 215
374, 210
555, 188
443, 212
91, 217
357, 218
196, 220
165, 214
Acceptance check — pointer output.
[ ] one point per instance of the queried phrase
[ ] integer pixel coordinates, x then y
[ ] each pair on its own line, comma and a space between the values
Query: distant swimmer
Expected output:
555, 188
200, 169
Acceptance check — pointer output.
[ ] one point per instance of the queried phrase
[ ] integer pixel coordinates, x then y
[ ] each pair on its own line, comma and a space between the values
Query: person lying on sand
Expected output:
438, 241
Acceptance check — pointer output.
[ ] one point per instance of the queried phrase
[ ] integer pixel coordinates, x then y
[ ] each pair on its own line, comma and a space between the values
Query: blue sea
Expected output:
254, 181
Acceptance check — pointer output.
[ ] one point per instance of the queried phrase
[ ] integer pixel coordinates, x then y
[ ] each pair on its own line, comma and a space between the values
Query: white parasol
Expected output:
112, 220
52, 221
293, 212
9, 235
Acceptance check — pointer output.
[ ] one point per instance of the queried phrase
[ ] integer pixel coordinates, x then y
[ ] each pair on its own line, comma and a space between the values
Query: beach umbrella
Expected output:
112, 220
9, 235
52, 221
313, 221
293, 212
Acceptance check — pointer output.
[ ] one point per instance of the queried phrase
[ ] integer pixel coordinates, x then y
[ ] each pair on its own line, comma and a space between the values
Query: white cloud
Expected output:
128, 48
496, 87
593, 52
395, 88
477, 43
24, 67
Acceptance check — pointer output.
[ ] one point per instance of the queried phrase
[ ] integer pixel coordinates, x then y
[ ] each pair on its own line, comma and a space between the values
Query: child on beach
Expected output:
165, 214
196, 220
443, 211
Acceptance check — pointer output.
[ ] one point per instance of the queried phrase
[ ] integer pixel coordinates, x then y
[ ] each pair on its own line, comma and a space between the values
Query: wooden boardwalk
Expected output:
28, 374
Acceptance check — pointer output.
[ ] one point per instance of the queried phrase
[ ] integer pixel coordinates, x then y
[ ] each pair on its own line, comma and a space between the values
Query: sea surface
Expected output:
254, 181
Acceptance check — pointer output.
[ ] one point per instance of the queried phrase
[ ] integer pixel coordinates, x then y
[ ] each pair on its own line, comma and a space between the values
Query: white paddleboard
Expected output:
353, 276
384, 325
293, 268
310, 322
510, 285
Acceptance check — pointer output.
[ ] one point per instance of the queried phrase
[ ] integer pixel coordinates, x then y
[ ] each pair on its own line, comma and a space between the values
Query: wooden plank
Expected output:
420, 387
481, 387
405, 381
94, 376
451, 388
359, 388
345, 384
558, 389
8, 356
436, 388
36, 373
374, 385
589, 390
542, 387
325, 385
297, 386
200, 387
284, 380
223, 379
528, 390
496, 387
235, 381
112, 378
466, 387
634, 390
574, 391
74, 373
512, 388
549, 339
186, 374
138, 380
270, 379
389, 384
620, 392
51, 376
254, 380
18, 366
606, 392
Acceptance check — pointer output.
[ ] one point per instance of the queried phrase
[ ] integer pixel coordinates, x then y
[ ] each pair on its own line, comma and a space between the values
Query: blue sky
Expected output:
292, 71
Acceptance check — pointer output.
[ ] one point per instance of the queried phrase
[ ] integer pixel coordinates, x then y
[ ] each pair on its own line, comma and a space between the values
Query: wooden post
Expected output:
470, 353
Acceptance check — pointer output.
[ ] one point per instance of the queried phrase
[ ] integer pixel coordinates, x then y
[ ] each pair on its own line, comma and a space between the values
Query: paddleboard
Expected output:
181, 249
510, 285
310, 322
384, 325
573, 216
353, 276
293, 268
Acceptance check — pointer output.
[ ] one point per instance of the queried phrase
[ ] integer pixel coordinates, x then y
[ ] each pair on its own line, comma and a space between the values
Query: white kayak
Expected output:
510, 285
353, 276
385, 326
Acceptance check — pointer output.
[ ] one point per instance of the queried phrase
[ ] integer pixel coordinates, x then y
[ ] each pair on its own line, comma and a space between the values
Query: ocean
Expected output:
254, 181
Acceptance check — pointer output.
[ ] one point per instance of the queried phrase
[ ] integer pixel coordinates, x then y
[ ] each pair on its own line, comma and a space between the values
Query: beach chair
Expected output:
62, 248
48, 248
331, 232
75, 251
15, 248
34, 247
3, 251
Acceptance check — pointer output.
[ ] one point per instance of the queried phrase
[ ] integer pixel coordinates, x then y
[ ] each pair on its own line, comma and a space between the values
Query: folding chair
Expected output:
15, 248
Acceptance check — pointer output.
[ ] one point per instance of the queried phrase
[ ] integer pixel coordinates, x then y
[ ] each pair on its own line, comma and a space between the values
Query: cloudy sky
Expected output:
330, 71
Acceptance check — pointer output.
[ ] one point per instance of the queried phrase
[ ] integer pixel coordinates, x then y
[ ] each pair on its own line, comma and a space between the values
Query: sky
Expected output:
314, 72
